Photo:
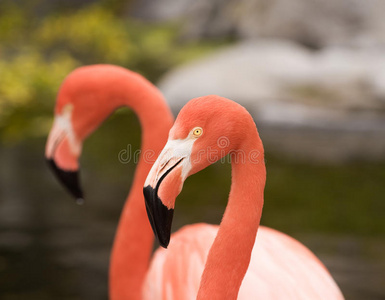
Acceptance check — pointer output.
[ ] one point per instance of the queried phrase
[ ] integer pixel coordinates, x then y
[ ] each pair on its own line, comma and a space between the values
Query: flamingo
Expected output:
227, 261
86, 98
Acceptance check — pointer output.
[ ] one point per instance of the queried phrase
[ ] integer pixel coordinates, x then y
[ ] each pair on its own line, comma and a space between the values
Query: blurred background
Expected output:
312, 73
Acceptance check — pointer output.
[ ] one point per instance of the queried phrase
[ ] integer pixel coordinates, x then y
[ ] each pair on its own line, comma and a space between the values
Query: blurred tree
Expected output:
27, 89
118, 7
39, 48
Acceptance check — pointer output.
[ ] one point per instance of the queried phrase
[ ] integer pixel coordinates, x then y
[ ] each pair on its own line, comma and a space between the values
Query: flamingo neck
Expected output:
134, 238
229, 256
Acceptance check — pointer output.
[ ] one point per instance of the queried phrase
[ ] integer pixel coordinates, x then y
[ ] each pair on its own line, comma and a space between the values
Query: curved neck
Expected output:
134, 238
229, 256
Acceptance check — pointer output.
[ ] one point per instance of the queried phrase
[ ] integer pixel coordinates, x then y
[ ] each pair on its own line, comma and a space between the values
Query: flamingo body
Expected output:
280, 268
86, 98
229, 261
203, 261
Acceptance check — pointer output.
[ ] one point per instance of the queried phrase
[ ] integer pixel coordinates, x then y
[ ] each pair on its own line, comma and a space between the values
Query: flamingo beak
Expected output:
159, 215
70, 180
62, 162
162, 186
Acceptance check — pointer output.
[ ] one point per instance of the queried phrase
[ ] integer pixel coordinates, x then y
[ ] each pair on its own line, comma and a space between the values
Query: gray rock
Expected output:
163, 10
314, 23
338, 92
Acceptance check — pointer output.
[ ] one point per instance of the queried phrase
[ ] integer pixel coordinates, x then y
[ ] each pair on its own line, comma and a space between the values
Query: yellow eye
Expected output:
197, 131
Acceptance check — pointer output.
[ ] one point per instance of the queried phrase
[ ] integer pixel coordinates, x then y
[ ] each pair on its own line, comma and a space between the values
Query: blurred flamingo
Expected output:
226, 262
86, 98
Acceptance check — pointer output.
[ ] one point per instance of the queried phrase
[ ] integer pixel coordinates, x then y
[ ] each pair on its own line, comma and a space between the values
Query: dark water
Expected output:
51, 248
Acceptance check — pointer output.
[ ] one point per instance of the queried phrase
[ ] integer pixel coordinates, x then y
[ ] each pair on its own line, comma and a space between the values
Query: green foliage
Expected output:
90, 35
37, 53
27, 90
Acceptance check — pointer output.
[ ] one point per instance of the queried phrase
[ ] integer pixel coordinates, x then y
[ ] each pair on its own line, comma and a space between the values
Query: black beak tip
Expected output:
164, 243
70, 179
159, 215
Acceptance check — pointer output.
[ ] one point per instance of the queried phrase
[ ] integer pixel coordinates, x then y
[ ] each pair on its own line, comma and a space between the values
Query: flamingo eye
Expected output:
197, 132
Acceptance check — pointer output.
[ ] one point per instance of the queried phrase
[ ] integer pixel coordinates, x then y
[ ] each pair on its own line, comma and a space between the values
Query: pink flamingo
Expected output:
86, 98
225, 262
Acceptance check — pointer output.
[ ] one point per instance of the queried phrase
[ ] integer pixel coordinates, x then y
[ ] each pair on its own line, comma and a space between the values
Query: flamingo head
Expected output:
78, 112
206, 129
